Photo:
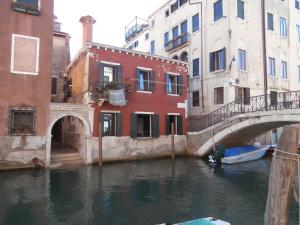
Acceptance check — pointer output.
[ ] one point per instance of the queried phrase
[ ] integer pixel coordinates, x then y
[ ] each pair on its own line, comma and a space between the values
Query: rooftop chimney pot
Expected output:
87, 24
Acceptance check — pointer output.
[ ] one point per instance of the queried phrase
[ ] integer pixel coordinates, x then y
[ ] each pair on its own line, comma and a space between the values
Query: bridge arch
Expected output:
243, 129
61, 115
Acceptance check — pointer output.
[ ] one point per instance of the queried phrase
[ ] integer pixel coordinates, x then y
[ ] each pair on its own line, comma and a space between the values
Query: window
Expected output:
111, 124
152, 47
147, 36
182, 2
298, 32
272, 67
284, 70
297, 4
196, 99
174, 84
195, 22
136, 44
22, 121
54, 86
24, 47
283, 26
219, 96
243, 95
26, 6
166, 38
184, 27
218, 10
175, 32
177, 121
217, 60
167, 13
270, 21
242, 59
144, 125
196, 70
130, 47
145, 80
241, 9
273, 96
109, 72
174, 6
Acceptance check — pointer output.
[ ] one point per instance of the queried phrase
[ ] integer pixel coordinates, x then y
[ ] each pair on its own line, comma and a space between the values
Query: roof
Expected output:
84, 49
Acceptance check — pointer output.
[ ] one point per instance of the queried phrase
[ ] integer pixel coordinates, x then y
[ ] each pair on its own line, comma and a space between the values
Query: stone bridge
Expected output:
242, 120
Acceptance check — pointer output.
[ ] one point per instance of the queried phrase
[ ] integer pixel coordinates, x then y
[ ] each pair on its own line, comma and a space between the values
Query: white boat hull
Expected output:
210, 219
249, 156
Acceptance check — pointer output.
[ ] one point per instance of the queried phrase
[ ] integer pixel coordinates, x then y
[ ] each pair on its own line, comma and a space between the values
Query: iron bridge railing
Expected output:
275, 101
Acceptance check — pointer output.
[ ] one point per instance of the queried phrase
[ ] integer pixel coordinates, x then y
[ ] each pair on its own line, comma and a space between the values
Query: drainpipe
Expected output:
263, 14
202, 55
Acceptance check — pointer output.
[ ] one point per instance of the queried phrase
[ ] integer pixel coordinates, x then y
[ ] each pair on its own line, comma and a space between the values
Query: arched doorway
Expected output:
184, 57
66, 140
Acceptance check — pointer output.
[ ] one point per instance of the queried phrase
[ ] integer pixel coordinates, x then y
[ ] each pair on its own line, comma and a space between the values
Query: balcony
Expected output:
27, 8
177, 42
134, 28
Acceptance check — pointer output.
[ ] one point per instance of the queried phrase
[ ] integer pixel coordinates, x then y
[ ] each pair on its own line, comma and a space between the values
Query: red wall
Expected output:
18, 89
158, 102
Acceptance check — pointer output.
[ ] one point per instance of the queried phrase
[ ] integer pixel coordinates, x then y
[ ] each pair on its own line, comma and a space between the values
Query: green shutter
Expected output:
152, 80
119, 74
179, 85
137, 79
179, 125
101, 119
119, 125
168, 130
101, 73
155, 125
133, 125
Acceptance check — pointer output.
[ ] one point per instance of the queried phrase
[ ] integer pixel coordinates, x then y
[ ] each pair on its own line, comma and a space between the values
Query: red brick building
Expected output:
155, 96
25, 69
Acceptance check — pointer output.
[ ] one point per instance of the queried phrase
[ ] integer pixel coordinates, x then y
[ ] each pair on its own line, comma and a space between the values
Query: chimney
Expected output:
87, 24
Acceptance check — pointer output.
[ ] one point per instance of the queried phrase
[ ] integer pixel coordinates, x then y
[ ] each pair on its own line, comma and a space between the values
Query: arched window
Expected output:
184, 57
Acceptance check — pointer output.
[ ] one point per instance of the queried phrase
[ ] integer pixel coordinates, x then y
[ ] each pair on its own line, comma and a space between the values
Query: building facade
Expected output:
25, 69
223, 41
150, 95
60, 61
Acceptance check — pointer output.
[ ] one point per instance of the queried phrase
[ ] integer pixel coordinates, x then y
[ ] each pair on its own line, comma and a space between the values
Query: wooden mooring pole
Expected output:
173, 141
100, 144
281, 176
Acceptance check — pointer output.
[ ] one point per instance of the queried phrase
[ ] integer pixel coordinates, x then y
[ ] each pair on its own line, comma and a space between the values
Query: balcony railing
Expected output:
26, 8
99, 90
177, 42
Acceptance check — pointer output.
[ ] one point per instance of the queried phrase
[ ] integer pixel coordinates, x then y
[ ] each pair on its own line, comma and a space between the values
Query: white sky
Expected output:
112, 16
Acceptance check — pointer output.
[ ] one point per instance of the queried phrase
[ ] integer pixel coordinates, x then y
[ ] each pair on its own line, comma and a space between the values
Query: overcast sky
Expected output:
112, 16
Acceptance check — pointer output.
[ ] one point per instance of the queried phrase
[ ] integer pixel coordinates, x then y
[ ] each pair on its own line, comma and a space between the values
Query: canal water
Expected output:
138, 193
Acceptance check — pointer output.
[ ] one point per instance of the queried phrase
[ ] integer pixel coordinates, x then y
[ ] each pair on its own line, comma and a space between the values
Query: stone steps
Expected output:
66, 158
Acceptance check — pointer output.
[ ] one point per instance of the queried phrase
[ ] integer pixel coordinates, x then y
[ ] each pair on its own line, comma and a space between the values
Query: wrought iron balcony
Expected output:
177, 42
32, 9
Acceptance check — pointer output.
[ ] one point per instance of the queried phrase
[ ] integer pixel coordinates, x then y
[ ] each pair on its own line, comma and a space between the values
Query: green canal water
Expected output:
137, 193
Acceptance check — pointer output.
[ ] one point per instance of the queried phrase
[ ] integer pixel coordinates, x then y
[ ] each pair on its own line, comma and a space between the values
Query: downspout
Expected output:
263, 14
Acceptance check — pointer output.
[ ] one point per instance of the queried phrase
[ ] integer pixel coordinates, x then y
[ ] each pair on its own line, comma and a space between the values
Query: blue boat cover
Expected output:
239, 150
197, 222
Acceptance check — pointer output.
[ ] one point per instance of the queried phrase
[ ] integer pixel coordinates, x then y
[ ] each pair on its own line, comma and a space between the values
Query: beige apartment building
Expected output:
224, 43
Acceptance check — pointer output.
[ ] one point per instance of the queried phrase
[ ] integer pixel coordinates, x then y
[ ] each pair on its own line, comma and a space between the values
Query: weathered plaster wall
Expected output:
22, 149
125, 148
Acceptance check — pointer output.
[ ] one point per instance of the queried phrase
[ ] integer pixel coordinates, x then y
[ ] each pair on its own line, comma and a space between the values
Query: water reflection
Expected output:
148, 192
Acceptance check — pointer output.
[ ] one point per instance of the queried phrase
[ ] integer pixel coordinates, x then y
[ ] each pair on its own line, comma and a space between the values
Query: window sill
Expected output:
196, 31
196, 107
195, 77
272, 76
218, 20
241, 20
217, 71
242, 71
283, 36
145, 92
144, 138
174, 95
284, 79
24, 73
271, 31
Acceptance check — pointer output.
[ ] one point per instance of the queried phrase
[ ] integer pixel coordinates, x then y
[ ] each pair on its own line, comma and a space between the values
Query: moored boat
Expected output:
204, 221
239, 154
